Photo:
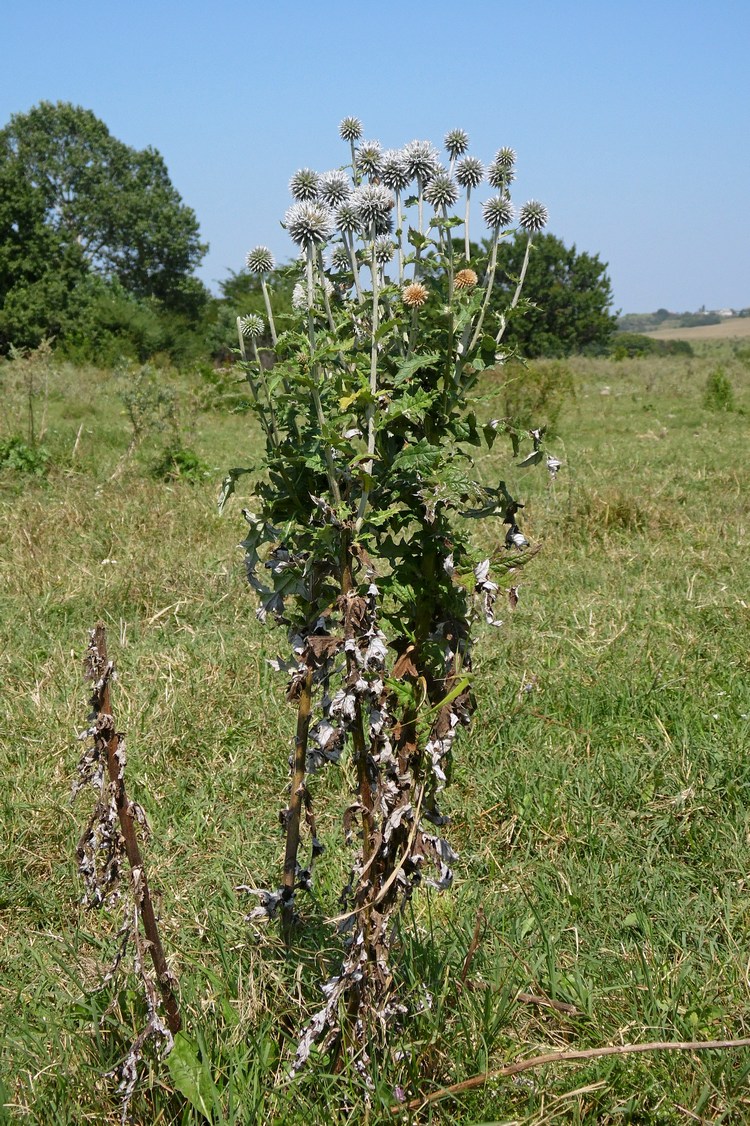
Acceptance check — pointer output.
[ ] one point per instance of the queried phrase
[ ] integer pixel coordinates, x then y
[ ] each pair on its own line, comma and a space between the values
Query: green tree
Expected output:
76, 202
567, 298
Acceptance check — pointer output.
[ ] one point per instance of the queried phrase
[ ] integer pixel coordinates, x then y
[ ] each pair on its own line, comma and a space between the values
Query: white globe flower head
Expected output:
252, 326
498, 212
470, 172
533, 216
441, 190
347, 218
384, 250
305, 185
422, 160
340, 259
334, 187
350, 129
309, 223
456, 142
393, 171
259, 260
373, 203
369, 158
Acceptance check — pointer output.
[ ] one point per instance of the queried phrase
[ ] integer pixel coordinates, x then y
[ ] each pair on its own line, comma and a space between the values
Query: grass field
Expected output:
600, 803
734, 328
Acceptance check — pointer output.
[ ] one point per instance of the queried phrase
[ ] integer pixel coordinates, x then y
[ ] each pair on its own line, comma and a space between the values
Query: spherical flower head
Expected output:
252, 326
393, 171
374, 203
498, 211
340, 259
384, 250
499, 175
456, 142
441, 190
305, 185
259, 260
470, 172
347, 218
414, 295
350, 129
505, 158
334, 187
369, 158
465, 279
309, 223
422, 160
533, 216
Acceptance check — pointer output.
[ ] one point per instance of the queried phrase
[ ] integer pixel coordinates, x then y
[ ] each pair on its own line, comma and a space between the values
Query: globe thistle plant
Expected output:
361, 547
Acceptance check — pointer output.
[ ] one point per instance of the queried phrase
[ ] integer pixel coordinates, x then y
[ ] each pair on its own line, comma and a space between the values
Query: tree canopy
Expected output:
77, 203
567, 298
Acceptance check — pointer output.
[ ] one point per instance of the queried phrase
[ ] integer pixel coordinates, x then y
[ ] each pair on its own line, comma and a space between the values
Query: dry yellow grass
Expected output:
733, 328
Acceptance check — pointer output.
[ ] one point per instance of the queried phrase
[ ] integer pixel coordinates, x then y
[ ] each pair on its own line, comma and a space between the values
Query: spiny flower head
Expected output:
347, 218
309, 223
465, 279
335, 187
350, 129
374, 203
393, 171
500, 173
369, 158
441, 190
305, 185
259, 260
340, 259
384, 250
498, 211
252, 326
470, 172
533, 216
422, 160
414, 295
456, 142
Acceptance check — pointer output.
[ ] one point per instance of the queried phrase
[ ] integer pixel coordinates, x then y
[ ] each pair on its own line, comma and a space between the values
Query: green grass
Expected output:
600, 803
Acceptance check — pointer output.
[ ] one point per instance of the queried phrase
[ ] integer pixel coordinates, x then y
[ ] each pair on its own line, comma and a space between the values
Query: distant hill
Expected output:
665, 325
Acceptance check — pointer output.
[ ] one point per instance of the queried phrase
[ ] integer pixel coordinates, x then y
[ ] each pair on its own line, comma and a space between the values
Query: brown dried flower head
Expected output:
465, 279
414, 295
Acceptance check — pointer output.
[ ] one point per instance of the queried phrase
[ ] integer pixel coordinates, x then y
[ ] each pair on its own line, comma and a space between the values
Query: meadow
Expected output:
600, 802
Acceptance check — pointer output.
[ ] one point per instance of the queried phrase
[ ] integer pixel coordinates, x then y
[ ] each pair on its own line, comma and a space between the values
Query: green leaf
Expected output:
416, 239
191, 1076
228, 486
532, 459
407, 369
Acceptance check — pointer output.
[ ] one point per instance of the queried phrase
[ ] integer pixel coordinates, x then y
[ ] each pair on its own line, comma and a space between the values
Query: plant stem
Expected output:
370, 412
489, 281
296, 802
101, 673
467, 243
517, 294
269, 310
330, 467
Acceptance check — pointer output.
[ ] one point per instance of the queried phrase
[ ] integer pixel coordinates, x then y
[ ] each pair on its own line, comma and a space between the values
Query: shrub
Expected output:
718, 395
534, 394
178, 463
15, 454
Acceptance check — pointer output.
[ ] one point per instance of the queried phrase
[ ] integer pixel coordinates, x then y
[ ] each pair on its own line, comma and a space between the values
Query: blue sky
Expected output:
630, 119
